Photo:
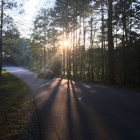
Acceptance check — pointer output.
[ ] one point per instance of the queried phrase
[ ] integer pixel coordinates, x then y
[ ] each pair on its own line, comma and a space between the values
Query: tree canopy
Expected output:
90, 40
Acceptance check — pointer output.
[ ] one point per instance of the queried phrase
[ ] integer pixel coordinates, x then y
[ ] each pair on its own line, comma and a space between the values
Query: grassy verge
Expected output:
16, 107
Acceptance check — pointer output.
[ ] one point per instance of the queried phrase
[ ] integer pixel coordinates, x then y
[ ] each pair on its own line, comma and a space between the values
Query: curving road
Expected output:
69, 110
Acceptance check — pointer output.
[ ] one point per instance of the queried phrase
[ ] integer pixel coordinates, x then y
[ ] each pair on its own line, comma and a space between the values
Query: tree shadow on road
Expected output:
116, 114
76, 116
69, 110
44, 104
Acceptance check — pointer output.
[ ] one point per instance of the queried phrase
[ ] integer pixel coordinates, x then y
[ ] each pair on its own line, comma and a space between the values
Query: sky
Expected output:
24, 22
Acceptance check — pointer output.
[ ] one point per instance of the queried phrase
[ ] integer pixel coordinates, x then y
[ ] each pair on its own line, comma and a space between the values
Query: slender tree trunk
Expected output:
81, 48
89, 63
68, 53
74, 50
111, 65
1, 29
63, 53
124, 45
84, 42
67, 63
105, 61
139, 65
102, 44
91, 43
76, 37
76, 64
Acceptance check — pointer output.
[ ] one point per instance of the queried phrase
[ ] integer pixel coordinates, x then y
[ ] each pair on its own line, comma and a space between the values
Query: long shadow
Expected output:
44, 112
69, 111
35, 127
80, 129
118, 115
45, 85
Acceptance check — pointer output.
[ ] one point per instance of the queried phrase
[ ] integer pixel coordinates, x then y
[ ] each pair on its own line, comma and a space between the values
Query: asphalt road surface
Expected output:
69, 110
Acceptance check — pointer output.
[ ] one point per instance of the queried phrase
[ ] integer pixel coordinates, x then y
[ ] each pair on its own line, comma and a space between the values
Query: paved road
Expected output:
70, 110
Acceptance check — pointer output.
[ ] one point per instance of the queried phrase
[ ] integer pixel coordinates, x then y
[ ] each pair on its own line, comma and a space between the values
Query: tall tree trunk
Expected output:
76, 42
91, 41
74, 50
102, 42
69, 51
81, 49
89, 64
68, 54
124, 43
139, 65
1, 28
63, 65
76, 47
111, 65
84, 42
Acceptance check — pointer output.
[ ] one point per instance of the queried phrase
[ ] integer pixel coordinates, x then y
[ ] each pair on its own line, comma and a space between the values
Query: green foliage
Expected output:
84, 23
87, 62
132, 63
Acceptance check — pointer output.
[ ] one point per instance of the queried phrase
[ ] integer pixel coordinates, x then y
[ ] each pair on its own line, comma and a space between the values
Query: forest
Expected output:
86, 40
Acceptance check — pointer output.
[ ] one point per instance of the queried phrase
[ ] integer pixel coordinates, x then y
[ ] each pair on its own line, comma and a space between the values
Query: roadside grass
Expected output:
16, 107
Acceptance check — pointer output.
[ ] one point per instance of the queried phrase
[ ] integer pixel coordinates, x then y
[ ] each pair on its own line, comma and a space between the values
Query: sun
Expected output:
65, 43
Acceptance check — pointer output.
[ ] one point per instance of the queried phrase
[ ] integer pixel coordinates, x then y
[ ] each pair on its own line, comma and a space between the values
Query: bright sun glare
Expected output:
65, 43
